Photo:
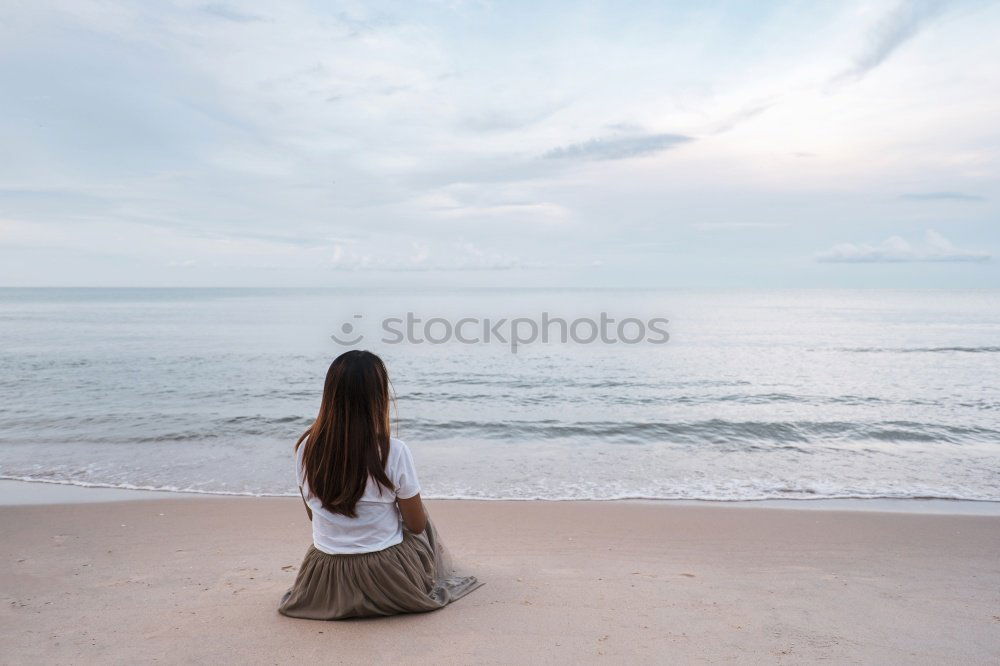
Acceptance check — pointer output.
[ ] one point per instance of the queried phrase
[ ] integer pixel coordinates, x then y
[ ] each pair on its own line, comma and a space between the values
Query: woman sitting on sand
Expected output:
374, 552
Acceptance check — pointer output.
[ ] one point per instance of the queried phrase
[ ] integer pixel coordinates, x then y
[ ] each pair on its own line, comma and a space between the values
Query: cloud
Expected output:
503, 120
618, 147
444, 205
738, 225
181, 263
21, 234
222, 11
421, 256
895, 29
942, 196
935, 248
744, 114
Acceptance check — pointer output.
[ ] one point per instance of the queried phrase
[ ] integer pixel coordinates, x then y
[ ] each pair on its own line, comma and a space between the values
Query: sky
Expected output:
578, 144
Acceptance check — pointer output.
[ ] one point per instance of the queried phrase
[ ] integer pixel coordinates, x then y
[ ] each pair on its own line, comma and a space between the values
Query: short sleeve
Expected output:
405, 473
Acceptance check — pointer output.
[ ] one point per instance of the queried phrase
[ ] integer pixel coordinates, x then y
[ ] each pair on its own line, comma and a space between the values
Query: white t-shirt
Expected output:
378, 524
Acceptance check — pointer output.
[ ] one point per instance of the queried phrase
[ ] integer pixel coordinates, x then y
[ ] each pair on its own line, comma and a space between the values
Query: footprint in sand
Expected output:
288, 567
688, 575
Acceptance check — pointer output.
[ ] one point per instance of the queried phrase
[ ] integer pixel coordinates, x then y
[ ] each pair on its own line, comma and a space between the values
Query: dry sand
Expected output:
197, 580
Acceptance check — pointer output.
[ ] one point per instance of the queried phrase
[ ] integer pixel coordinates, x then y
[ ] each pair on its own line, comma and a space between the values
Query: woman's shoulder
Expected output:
397, 447
400, 456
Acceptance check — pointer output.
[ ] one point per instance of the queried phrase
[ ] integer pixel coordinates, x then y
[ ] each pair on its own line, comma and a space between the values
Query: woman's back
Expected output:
360, 488
377, 524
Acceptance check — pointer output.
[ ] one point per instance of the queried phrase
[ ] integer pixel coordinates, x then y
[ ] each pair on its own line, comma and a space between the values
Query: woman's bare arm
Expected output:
414, 516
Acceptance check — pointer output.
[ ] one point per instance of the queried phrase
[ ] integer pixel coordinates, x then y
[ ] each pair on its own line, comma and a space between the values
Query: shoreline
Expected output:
17, 492
641, 582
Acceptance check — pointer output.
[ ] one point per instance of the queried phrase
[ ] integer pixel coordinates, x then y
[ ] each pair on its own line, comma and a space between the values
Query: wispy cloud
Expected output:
502, 120
618, 147
934, 248
707, 226
421, 256
895, 29
181, 263
744, 114
223, 11
941, 196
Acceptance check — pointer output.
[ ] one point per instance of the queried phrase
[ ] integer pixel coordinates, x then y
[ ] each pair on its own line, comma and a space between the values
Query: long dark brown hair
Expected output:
349, 441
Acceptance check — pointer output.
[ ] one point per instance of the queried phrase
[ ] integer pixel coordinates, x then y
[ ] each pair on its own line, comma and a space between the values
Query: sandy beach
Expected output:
191, 580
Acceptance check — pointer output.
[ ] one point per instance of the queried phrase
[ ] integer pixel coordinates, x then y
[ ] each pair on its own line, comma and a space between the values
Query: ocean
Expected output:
731, 395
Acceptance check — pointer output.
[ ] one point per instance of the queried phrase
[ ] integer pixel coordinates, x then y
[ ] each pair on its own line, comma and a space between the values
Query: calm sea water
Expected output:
758, 394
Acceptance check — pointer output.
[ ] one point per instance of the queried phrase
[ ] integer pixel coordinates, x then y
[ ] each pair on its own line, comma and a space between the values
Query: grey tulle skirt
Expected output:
414, 576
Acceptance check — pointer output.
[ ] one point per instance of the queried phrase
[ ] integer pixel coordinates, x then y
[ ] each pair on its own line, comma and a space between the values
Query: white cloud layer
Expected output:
205, 142
934, 248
